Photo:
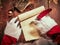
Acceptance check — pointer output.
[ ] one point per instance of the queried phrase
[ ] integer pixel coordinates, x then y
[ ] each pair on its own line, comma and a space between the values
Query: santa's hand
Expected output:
45, 24
12, 29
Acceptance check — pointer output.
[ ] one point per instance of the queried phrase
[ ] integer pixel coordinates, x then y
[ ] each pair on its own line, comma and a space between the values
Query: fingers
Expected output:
35, 22
19, 28
17, 23
13, 20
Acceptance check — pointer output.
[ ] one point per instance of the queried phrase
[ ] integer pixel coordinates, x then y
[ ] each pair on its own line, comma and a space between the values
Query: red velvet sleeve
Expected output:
8, 40
54, 33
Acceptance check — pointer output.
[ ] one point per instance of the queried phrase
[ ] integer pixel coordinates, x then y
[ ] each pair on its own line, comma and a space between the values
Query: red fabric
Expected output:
43, 13
57, 39
8, 40
55, 30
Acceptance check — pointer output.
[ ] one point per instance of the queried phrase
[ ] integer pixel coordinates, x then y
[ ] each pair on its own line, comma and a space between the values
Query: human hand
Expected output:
45, 24
12, 28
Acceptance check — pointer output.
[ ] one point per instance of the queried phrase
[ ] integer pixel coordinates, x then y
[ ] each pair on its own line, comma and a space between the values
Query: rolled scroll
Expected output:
31, 13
